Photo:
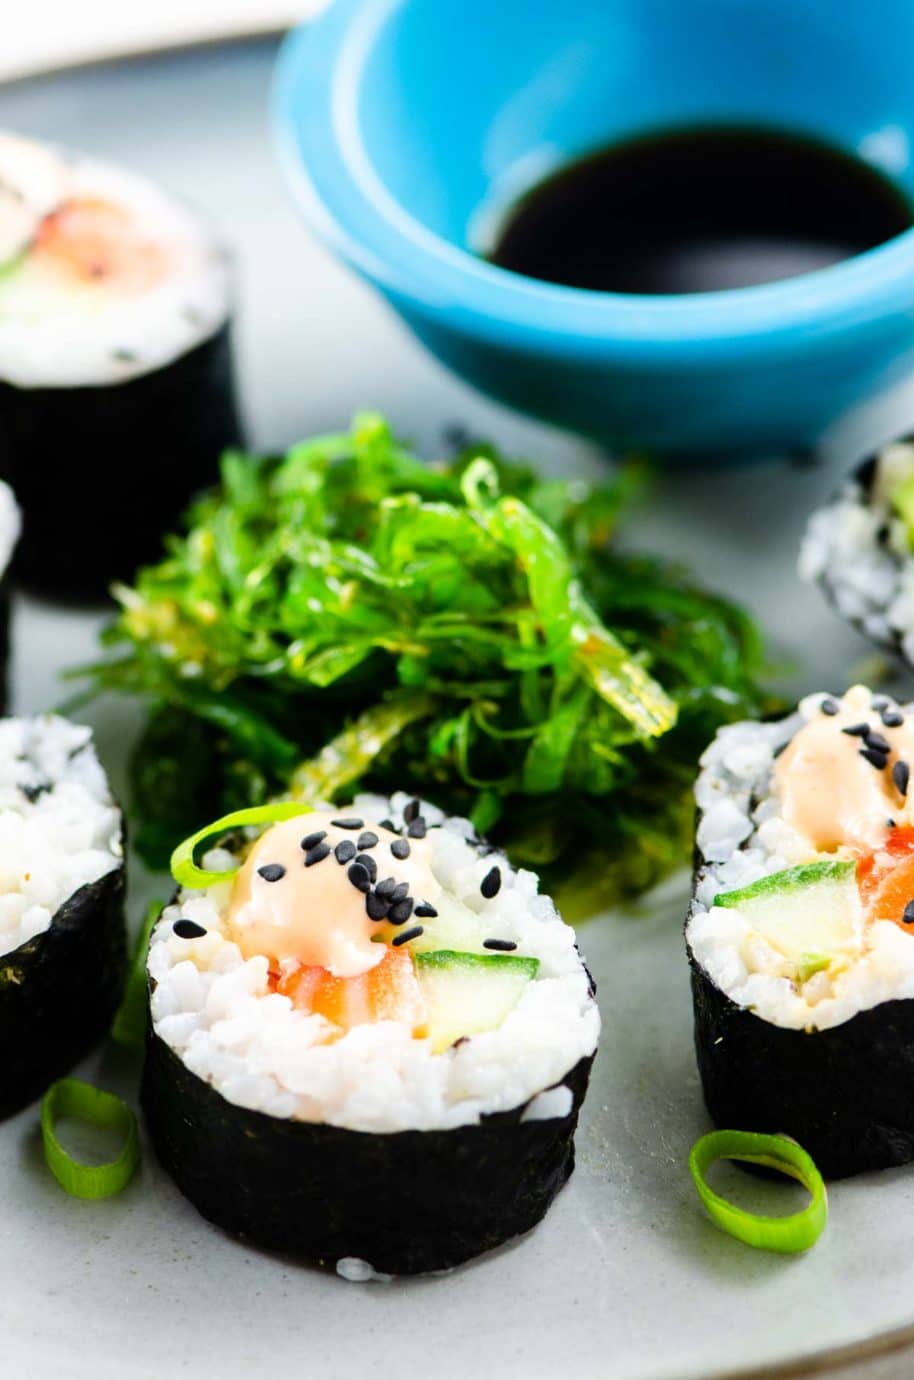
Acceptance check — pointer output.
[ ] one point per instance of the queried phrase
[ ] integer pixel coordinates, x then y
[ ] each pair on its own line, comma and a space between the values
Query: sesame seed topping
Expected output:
271, 872
892, 718
399, 891
388, 824
347, 823
491, 883
901, 775
401, 911
502, 946
318, 854
411, 811
830, 706
376, 906
188, 929
425, 911
400, 849
407, 935
907, 914
878, 743
312, 840
417, 829
877, 759
369, 864
857, 730
880, 702
359, 877
387, 887
367, 840
344, 851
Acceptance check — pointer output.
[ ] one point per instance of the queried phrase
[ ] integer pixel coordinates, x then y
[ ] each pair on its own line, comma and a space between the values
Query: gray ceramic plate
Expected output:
625, 1278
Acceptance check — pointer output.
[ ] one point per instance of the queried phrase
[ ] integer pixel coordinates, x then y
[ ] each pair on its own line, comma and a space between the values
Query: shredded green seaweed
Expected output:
346, 616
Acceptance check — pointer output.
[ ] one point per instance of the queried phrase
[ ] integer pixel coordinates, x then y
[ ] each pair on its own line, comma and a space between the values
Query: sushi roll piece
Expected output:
116, 389
859, 548
10, 528
369, 1044
800, 935
62, 941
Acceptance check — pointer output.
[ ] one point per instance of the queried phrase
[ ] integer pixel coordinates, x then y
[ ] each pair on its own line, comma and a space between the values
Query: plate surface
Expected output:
625, 1277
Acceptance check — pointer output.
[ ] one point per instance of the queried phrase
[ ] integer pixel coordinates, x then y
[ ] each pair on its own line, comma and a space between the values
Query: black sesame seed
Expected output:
389, 825
359, 877
387, 887
876, 758
272, 872
367, 840
890, 823
892, 718
417, 828
901, 775
425, 911
880, 702
400, 849
344, 851
400, 913
188, 929
411, 811
502, 946
491, 883
830, 706
33, 793
347, 823
369, 864
318, 854
312, 840
399, 891
907, 914
857, 730
878, 743
407, 935
376, 906
883, 532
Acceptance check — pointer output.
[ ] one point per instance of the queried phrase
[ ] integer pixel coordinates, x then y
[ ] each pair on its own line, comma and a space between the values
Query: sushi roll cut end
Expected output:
801, 930
397, 1091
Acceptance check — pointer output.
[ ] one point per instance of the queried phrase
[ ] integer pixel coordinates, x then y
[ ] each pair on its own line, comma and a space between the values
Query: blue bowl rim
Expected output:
320, 63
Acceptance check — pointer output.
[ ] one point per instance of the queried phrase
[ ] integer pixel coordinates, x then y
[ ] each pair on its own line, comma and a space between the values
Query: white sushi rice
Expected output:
859, 553
54, 334
59, 827
741, 838
216, 1012
10, 526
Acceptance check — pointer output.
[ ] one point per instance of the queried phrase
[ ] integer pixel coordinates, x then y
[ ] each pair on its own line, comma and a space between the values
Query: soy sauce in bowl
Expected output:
700, 210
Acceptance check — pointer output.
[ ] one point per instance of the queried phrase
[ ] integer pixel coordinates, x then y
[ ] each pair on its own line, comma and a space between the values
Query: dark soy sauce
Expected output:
700, 210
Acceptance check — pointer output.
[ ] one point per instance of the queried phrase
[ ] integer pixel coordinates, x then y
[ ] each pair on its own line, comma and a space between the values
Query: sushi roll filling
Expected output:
402, 990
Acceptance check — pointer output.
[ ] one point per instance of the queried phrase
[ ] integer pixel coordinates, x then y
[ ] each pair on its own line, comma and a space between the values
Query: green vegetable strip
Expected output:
183, 867
129, 1027
351, 753
787, 1235
70, 1097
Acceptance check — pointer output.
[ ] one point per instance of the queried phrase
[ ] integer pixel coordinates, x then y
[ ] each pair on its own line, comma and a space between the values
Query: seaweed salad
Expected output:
346, 614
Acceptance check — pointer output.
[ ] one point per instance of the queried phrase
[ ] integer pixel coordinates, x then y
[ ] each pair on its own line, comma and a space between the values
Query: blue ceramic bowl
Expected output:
407, 127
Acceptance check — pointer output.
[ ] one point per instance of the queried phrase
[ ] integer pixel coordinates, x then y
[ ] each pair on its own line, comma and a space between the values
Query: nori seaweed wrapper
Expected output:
5, 618
407, 1202
59, 991
846, 1094
102, 471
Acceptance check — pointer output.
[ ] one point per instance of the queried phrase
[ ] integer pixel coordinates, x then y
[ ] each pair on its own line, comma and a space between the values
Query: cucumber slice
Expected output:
810, 914
468, 994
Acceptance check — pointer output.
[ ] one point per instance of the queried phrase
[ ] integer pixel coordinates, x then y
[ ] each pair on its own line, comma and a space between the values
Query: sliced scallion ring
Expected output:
129, 1027
69, 1097
183, 867
787, 1235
